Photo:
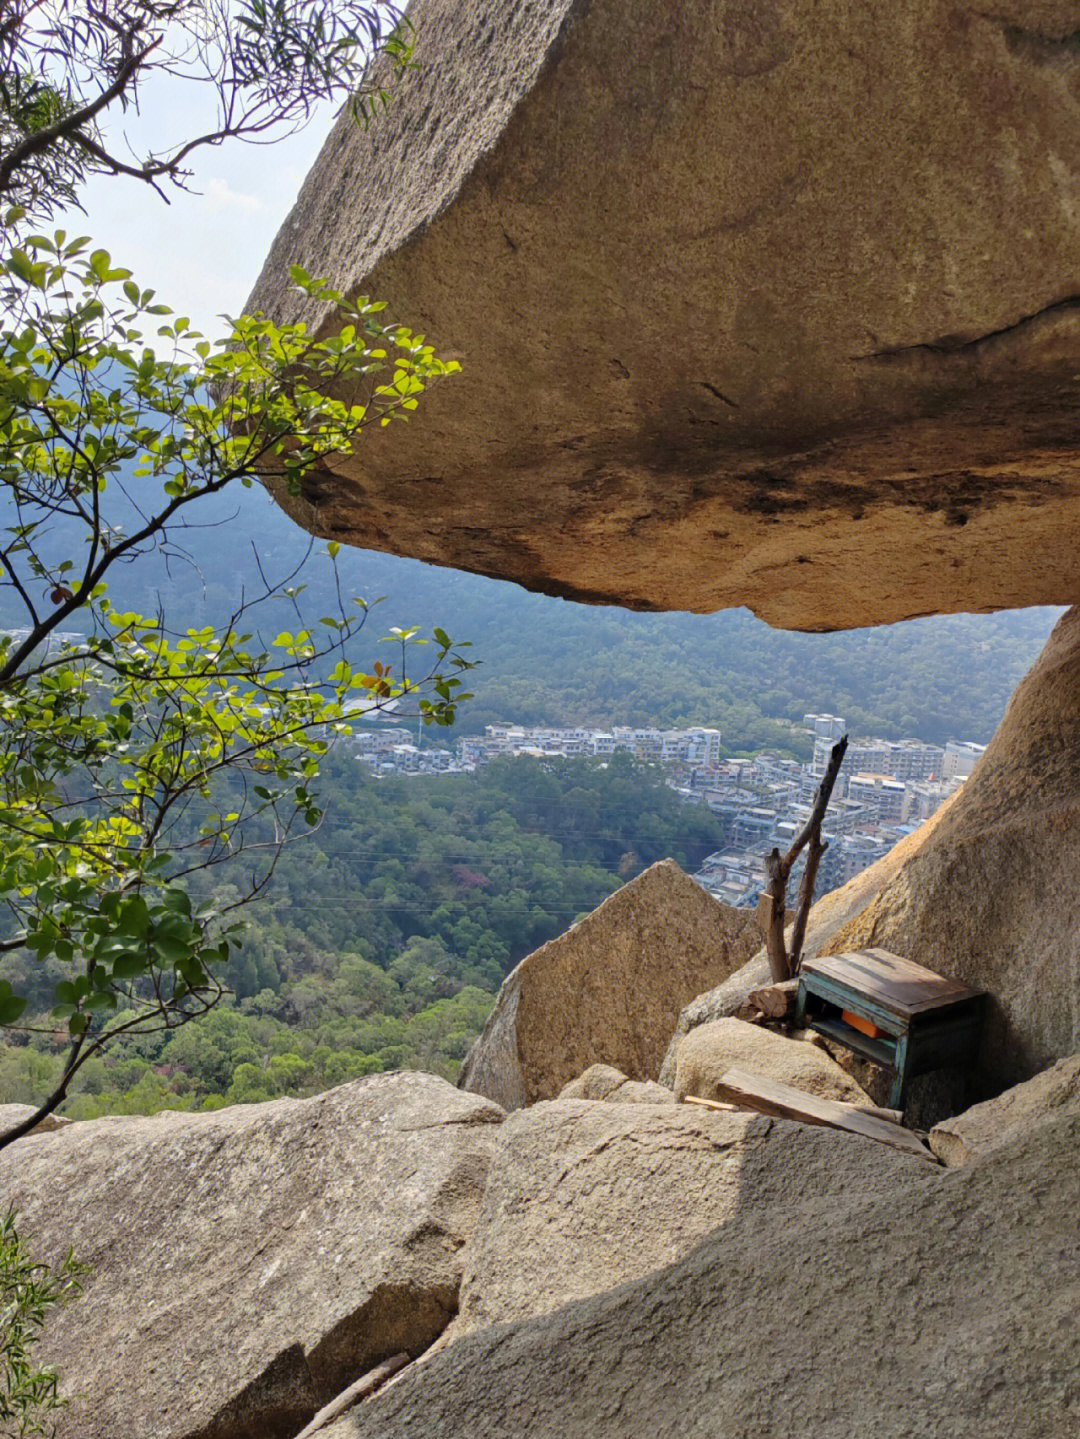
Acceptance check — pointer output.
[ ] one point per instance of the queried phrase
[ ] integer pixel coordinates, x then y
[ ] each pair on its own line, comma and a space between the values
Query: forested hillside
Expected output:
385, 935
544, 660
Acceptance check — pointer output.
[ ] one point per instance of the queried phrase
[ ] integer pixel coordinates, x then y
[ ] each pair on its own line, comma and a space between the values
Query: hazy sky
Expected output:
203, 251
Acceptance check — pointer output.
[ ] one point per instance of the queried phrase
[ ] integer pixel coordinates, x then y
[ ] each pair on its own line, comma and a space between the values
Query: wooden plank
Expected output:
901, 985
767, 1096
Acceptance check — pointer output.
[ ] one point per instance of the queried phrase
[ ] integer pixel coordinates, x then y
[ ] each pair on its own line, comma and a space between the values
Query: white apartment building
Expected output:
960, 758
881, 795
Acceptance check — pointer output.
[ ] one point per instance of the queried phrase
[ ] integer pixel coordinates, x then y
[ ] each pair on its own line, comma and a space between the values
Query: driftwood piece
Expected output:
816, 847
365, 1385
709, 1103
767, 1096
778, 867
775, 1001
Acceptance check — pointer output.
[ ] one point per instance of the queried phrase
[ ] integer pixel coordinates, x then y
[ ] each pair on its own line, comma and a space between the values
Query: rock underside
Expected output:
772, 304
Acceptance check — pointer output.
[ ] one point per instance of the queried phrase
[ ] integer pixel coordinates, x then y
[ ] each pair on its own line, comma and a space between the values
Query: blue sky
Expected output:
203, 251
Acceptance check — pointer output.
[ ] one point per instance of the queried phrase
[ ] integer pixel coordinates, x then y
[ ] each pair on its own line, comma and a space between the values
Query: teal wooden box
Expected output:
928, 1021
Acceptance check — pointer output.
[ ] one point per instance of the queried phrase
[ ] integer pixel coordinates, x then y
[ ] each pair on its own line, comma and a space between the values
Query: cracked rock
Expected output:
583, 1197
248, 1264
941, 1304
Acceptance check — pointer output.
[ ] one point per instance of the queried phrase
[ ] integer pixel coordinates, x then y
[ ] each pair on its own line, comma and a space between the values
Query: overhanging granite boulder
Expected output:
770, 303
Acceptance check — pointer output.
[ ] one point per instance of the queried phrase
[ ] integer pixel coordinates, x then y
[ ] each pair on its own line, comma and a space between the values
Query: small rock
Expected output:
710, 1049
602, 1082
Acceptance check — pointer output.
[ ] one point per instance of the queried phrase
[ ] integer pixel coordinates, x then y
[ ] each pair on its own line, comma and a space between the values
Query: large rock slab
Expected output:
963, 1138
989, 895
934, 1307
775, 304
583, 1197
248, 1264
609, 990
708, 1051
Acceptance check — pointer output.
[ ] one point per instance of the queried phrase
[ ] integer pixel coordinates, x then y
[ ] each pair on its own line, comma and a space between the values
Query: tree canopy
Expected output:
138, 750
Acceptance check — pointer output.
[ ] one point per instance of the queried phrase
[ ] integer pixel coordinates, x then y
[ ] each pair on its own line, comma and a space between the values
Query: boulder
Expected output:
988, 895
825, 362
609, 990
963, 1138
929, 1307
724, 1002
248, 1264
602, 1082
13, 1114
706, 1052
584, 1197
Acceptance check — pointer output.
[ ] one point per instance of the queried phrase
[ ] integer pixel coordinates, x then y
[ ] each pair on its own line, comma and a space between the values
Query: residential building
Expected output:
960, 759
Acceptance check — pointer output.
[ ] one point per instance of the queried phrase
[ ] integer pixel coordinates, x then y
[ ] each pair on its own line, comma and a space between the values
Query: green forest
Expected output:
548, 661
387, 933
383, 937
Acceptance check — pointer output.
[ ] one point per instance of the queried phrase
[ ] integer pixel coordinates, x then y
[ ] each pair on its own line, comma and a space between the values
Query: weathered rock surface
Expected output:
723, 1002
248, 1264
583, 1197
609, 991
12, 1114
940, 1306
601, 1081
825, 362
966, 1136
989, 894
710, 1049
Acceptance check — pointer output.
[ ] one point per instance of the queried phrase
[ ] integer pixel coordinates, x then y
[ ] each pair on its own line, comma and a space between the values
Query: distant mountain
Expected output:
548, 660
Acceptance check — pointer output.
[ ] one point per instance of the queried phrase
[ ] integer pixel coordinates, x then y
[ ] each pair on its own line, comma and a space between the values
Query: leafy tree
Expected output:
135, 755
252, 69
29, 1289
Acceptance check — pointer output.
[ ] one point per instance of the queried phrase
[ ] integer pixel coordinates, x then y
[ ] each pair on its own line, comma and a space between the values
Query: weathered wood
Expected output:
899, 985
709, 1103
775, 947
822, 795
365, 1385
767, 1096
817, 847
776, 1001
782, 964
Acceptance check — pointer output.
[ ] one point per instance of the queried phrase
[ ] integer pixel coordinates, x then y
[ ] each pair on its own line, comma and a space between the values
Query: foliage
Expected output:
382, 939
251, 69
29, 1289
110, 743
